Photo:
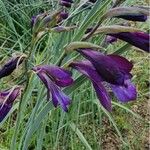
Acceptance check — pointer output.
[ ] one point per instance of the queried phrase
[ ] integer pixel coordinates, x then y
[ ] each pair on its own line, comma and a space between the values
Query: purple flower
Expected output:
138, 39
86, 68
66, 3
110, 39
113, 69
55, 77
10, 66
133, 17
6, 101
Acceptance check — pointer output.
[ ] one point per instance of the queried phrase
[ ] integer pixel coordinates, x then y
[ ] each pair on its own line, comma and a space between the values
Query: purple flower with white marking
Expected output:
6, 101
66, 3
113, 69
137, 39
10, 66
110, 39
54, 78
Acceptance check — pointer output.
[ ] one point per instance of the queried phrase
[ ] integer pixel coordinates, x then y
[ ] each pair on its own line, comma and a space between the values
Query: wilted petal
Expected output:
9, 67
107, 68
125, 93
6, 101
137, 39
86, 68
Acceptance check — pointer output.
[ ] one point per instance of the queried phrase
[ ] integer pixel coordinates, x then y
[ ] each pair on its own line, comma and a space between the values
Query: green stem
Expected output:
21, 104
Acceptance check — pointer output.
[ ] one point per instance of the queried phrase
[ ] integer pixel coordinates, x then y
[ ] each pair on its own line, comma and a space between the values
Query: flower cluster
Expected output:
54, 78
7, 97
104, 70
113, 69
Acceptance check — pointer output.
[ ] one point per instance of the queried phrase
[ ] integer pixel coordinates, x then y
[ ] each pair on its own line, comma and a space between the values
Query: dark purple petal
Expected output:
107, 68
103, 96
58, 97
4, 110
60, 76
137, 39
9, 67
133, 17
122, 62
110, 39
125, 93
86, 68
6, 101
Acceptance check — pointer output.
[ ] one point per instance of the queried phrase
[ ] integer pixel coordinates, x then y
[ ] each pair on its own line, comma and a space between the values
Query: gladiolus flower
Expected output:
6, 101
54, 78
137, 39
113, 69
10, 66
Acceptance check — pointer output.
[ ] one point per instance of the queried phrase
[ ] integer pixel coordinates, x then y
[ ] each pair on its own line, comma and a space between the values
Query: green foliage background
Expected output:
33, 122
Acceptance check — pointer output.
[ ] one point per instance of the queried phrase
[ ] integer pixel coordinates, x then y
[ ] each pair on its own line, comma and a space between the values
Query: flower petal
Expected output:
10, 66
86, 68
137, 39
122, 62
58, 97
6, 101
125, 93
60, 76
4, 110
103, 96
106, 67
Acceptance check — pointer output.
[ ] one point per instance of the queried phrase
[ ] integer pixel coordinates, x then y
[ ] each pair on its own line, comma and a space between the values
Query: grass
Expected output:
34, 123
